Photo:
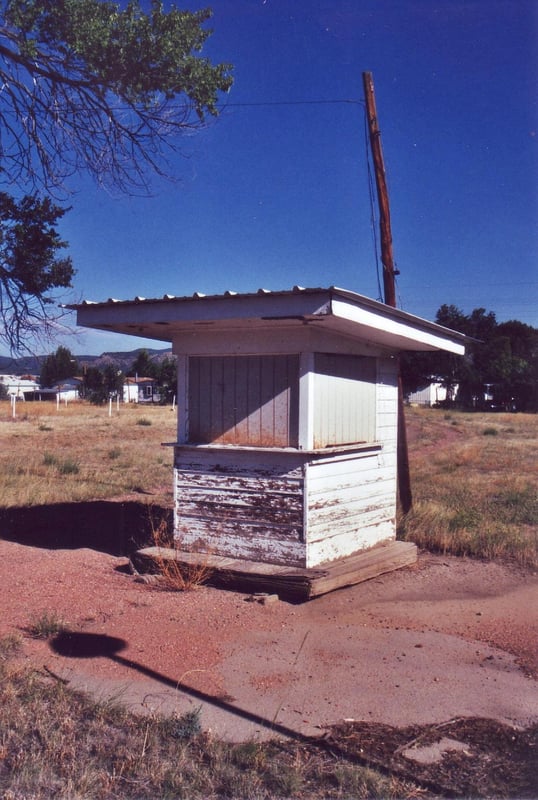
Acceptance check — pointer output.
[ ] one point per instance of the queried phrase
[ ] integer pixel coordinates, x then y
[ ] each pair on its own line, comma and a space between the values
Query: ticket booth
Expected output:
287, 417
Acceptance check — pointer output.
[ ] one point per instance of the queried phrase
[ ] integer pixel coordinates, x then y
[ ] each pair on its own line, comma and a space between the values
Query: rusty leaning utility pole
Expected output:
389, 286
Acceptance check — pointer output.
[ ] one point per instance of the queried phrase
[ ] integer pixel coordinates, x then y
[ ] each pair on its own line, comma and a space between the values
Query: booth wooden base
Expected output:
290, 583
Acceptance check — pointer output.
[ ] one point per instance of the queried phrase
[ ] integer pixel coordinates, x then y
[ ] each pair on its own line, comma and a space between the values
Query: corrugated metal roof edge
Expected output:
376, 305
196, 296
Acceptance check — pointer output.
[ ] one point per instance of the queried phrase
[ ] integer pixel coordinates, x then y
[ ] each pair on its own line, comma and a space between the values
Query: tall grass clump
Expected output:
476, 489
68, 467
45, 625
178, 571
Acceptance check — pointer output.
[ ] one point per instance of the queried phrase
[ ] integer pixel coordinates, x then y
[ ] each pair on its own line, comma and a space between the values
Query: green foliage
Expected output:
502, 357
167, 378
87, 85
58, 366
61, 743
518, 506
102, 384
185, 727
67, 467
30, 268
126, 81
143, 366
474, 494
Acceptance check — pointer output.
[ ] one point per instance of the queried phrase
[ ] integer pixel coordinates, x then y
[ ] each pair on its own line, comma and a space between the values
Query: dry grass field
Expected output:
475, 484
79, 453
474, 476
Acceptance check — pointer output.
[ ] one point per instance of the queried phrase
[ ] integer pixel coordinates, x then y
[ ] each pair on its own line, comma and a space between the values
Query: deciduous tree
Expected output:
502, 356
87, 85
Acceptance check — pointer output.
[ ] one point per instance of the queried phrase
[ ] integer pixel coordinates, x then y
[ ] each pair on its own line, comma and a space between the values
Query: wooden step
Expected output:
291, 583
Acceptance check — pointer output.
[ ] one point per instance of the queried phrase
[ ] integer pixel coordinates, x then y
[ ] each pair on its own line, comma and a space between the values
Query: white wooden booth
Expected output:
287, 417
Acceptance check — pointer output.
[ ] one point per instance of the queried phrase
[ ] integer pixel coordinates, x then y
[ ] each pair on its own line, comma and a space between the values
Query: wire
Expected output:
292, 103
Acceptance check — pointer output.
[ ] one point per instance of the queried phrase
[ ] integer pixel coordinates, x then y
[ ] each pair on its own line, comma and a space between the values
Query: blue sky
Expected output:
276, 194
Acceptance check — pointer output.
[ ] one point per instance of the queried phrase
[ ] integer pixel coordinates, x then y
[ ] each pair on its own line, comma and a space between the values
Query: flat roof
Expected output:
334, 309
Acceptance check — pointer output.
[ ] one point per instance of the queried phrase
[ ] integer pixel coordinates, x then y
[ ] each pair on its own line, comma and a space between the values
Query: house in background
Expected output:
141, 390
431, 394
22, 387
65, 391
287, 417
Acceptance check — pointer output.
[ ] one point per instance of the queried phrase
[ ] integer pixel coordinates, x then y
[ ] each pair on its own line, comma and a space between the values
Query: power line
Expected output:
470, 285
292, 103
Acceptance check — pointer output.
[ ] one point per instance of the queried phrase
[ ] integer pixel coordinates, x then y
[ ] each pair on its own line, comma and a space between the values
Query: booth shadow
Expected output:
116, 528
74, 644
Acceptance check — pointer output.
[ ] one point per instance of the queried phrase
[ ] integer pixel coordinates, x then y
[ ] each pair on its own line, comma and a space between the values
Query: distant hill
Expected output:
31, 365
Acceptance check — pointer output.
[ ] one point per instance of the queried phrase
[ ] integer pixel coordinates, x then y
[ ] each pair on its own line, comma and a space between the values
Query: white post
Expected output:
174, 403
13, 406
182, 399
118, 403
57, 401
306, 401
110, 407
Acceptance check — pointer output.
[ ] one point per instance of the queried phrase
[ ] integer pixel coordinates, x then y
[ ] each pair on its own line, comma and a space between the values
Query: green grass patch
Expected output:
518, 506
68, 467
490, 432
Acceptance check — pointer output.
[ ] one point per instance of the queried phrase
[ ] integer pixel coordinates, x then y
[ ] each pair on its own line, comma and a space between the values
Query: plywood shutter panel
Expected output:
244, 400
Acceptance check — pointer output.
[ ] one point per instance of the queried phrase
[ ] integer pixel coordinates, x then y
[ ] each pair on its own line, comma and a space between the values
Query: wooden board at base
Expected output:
289, 583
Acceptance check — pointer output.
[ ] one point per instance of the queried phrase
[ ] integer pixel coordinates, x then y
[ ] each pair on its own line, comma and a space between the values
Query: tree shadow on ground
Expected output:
116, 528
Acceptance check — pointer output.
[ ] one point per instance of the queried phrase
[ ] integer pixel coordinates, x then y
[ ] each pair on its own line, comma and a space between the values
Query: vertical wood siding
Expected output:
344, 399
244, 400
351, 502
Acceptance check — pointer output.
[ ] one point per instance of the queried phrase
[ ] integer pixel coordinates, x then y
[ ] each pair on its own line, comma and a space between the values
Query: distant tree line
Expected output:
101, 383
501, 363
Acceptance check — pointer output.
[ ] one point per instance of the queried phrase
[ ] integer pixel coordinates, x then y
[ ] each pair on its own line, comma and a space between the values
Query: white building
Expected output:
287, 416
431, 394
140, 390
22, 387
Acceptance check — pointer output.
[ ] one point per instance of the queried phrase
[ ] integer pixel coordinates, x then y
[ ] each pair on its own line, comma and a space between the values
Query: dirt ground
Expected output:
430, 671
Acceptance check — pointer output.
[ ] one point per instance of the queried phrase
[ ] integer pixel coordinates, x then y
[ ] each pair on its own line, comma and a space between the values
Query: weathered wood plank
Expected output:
366, 565
288, 583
